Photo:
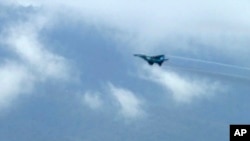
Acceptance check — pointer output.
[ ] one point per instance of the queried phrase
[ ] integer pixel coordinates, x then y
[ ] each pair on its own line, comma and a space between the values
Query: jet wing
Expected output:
158, 56
145, 57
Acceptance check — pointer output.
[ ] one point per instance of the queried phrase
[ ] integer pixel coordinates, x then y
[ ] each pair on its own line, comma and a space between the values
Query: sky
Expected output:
67, 70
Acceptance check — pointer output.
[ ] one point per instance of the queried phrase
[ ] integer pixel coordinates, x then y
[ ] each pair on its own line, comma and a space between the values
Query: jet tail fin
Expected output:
160, 63
150, 63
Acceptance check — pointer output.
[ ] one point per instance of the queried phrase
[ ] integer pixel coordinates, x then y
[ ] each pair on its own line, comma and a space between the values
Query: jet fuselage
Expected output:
159, 59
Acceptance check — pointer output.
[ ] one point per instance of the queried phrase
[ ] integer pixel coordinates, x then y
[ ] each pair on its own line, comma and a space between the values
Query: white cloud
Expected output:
15, 80
130, 105
164, 20
184, 89
188, 26
92, 100
23, 40
35, 62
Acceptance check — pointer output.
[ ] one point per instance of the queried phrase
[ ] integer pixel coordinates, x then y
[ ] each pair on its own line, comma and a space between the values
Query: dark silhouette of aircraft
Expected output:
158, 59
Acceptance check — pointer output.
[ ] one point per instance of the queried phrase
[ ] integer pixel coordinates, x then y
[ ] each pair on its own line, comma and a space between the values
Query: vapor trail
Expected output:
172, 65
210, 62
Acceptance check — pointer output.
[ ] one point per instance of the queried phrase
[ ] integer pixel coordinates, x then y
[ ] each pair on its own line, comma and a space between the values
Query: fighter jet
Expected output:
158, 59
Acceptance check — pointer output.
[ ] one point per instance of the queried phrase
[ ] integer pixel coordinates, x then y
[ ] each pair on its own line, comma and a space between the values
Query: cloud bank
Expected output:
189, 26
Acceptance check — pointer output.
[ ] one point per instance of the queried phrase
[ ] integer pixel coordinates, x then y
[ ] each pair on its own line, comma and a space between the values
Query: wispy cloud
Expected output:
23, 40
15, 80
184, 89
92, 100
130, 105
33, 61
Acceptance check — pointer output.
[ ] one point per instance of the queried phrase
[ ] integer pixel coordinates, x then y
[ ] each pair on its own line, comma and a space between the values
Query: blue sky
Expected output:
67, 70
